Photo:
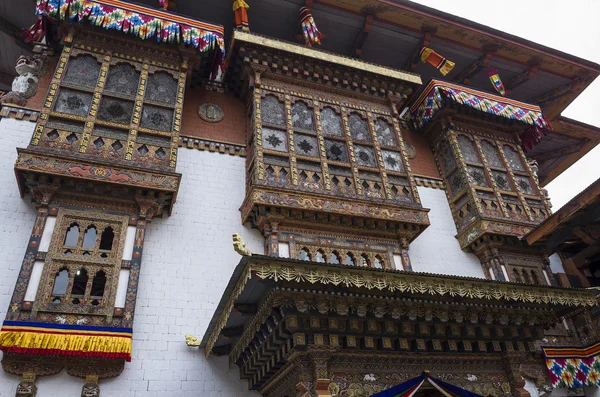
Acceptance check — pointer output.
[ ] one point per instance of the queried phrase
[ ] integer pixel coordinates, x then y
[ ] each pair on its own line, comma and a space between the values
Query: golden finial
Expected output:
240, 246
191, 340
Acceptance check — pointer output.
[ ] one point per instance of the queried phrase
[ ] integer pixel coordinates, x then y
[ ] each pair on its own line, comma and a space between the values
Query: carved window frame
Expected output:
162, 157
56, 259
376, 187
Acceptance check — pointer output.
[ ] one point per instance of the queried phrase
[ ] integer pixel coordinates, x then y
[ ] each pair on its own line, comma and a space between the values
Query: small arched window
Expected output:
89, 238
320, 256
378, 262
304, 255
98, 284
60, 283
350, 259
72, 235
272, 111
534, 277
364, 260
106, 240
80, 282
526, 278
334, 258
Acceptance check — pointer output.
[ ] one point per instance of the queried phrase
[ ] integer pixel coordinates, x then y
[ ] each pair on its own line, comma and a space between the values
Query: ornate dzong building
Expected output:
380, 166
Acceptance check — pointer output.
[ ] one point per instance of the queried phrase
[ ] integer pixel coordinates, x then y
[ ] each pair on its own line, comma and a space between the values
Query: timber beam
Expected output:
413, 60
564, 151
221, 350
15, 33
521, 78
244, 309
464, 77
361, 37
232, 332
550, 96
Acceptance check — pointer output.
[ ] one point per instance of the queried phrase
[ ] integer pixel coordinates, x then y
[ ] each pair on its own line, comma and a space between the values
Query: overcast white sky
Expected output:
569, 26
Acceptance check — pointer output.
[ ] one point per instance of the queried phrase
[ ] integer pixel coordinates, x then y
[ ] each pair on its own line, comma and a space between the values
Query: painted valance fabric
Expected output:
65, 340
573, 367
410, 387
143, 22
435, 95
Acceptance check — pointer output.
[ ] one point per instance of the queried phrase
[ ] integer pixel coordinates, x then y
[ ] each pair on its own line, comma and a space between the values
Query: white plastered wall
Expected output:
187, 262
436, 250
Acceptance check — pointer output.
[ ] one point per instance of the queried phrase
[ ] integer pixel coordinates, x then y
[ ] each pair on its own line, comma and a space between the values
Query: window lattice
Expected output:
331, 123
122, 80
82, 71
161, 88
359, 129
272, 111
385, 133
302, 116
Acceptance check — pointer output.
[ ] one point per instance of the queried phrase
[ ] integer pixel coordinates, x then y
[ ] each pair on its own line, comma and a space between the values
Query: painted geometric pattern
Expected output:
573, 367
437, 92
143, 22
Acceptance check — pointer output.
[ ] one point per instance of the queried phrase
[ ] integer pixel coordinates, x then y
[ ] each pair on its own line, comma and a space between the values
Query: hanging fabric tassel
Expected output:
164, 4
496, 82
240, 8
309, 28
37, 31
436, 60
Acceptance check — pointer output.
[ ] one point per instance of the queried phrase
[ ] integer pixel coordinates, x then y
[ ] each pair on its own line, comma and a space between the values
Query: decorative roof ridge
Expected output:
259, 39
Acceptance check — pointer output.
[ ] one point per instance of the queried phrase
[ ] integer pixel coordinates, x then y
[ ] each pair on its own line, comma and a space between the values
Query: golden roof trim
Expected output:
296, 49
422, 284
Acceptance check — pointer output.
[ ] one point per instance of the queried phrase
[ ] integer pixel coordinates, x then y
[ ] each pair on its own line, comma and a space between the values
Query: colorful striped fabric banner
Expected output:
65, 340
435, 95
143, 22
410, 387
573, 367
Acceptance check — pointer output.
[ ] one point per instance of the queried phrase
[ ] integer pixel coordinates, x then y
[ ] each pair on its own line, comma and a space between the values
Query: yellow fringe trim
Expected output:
75, 343
240, 4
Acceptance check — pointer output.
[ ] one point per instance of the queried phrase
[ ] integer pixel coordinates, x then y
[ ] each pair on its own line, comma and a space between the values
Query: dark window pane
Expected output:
336, 151
302, 116
98, 284
80, 282
331, 123
491, 154
364, 156
123, 80
271, 111
359, 128
157, 118
274, 139
385, 133
514, 159
73, 102
446, 156
161, 88
82, 71
306, 145
115, 110
468, 150
392, 160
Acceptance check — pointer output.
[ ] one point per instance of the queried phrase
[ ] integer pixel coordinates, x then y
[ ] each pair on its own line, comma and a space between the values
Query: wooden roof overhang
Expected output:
574, 229
314, 68
272, 305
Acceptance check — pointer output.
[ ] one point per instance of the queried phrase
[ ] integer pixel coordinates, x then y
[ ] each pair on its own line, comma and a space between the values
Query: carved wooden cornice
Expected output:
376, 281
